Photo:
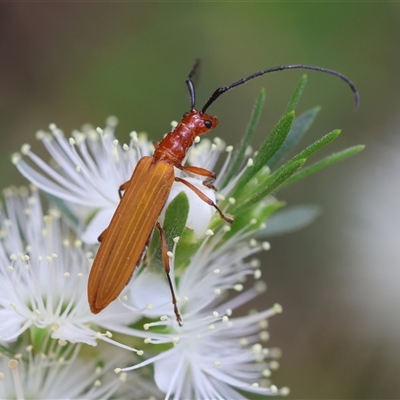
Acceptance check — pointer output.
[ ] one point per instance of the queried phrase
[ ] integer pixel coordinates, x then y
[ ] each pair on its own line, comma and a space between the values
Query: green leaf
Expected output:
188, 244
296, 95
289, 220
319, 144
175, 218
268, 149
299, 128
173, 226
255, 117
334, 158
276, 180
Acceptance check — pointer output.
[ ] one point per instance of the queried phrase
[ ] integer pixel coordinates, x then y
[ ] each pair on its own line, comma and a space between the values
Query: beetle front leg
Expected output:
210, 176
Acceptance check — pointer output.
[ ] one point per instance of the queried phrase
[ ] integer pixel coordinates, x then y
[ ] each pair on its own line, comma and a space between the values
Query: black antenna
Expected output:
190, 85
222, 90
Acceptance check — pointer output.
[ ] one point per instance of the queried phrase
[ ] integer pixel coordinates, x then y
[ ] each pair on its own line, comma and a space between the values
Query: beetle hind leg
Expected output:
164, 248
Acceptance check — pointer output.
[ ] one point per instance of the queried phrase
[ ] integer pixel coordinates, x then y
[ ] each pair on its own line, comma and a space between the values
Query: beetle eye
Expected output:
185, 115
208, 123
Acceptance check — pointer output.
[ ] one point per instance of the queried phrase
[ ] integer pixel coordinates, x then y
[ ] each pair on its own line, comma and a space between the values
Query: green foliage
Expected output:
297, 94
266, 173
332, 159
272, 183
252, 187
175, 218
267, 150
173, 226
299, 127
290, 219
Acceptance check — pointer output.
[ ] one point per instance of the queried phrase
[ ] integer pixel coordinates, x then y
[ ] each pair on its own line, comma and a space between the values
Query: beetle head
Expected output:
200, 123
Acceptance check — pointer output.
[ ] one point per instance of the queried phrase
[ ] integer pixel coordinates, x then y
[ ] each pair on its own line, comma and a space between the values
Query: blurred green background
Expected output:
337, 280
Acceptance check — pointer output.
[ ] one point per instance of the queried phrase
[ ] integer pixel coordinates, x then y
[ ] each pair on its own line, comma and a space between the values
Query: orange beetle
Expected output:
123, 243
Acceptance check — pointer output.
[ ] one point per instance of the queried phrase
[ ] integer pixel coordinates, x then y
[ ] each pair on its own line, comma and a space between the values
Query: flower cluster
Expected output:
53, 346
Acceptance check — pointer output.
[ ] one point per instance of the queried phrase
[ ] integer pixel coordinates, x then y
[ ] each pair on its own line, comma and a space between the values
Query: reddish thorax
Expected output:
172, 149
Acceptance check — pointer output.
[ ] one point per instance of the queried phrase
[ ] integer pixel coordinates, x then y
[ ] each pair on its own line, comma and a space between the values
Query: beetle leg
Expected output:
164, 247
102, 235
199, 193
210, 176
122, 188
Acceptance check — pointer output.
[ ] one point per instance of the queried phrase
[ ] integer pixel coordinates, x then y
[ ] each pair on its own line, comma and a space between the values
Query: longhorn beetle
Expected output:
124, 242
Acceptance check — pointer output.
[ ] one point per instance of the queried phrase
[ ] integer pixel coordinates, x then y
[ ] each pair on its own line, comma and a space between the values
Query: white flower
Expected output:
43, 275
59, 374
92, 165
216, 353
